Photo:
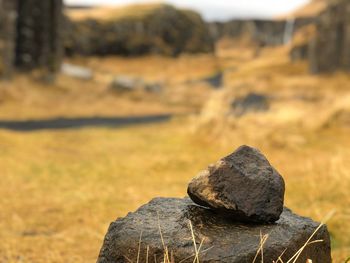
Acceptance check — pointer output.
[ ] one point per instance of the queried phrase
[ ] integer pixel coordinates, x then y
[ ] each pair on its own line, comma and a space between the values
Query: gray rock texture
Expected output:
222, 240
243, 186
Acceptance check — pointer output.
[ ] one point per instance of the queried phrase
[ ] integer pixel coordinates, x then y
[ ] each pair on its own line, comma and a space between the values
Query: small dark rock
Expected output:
223, 240
243, 186
252, 102
125, 83
216, 80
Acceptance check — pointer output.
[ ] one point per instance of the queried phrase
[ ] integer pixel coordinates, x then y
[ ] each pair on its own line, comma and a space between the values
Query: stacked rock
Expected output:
236, 215
243, 186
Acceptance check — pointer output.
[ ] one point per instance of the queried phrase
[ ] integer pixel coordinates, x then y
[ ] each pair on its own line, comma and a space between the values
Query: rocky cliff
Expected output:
325, 44
30, 34
39, 34
8, 16
136, 30
263, 32
330, 49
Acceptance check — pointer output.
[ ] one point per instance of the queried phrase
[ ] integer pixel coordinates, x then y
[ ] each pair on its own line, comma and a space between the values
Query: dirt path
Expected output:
74, 123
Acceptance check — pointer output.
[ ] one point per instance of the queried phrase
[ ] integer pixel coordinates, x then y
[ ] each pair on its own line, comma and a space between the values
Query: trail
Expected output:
76, 123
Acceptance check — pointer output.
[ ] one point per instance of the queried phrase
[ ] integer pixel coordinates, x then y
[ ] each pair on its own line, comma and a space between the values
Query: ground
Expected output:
60, 189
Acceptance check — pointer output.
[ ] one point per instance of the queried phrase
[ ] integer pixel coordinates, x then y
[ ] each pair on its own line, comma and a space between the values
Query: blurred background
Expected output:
107, 104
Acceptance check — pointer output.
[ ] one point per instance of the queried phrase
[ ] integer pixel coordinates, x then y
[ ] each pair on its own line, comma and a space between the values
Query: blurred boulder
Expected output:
136, 30
252, 102
153, 87
76, 71
216, 80
127, 83
139, 236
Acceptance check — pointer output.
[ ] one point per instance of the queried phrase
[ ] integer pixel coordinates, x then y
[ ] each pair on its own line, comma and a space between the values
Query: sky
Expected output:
217, 9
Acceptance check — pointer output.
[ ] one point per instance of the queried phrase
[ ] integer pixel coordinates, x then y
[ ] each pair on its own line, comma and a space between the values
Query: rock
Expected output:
216, 80
154, 87
76, 71
223, 240
125, 83
136, 30
243, 186
252, 102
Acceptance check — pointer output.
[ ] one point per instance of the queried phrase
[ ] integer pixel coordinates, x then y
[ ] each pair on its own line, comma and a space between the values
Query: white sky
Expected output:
217, 9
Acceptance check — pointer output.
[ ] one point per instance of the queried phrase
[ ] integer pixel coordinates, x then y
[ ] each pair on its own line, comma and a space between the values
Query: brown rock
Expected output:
243, 186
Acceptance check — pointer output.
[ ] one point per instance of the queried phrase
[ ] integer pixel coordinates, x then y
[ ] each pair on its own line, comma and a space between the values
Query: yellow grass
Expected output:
113, 12
59, 190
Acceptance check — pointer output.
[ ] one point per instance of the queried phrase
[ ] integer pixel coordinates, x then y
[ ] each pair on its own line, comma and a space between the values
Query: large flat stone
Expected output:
224, 240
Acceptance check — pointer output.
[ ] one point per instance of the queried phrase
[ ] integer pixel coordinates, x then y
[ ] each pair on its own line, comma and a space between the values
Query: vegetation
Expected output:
60, 189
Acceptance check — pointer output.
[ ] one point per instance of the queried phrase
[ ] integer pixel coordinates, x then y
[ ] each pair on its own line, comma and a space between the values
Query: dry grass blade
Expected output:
308, 242
263, 239
280, 257
139, 249
166, 254
199, 249
128, 259
147, 252
205, 250
194, 243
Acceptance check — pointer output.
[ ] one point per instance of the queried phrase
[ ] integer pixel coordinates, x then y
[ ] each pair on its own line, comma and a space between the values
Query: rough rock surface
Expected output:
242, 185
223, 240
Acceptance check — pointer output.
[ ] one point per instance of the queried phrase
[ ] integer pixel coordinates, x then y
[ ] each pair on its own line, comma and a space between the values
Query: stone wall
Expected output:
30, 35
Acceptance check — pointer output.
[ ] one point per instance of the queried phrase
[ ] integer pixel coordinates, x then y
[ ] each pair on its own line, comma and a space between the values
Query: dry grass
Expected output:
59, 190
26, 98
114, 13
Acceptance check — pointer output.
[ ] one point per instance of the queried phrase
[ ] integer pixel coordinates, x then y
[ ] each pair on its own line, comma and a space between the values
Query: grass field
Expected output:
60, 189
